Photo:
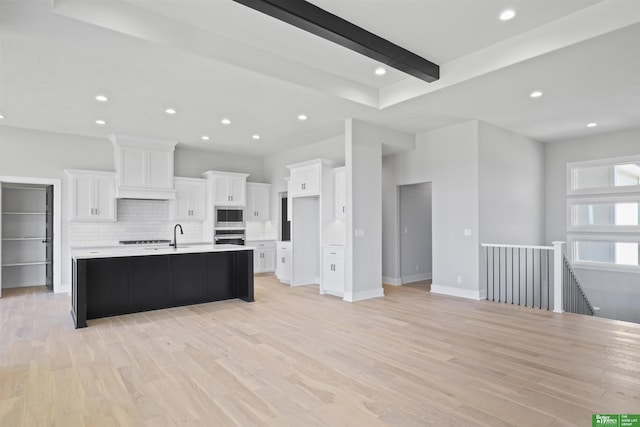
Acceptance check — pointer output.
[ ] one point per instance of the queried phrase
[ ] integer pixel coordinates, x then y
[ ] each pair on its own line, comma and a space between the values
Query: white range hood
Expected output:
144, 168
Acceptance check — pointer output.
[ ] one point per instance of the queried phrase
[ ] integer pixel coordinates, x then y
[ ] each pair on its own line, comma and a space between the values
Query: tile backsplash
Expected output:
258, 230
137, 220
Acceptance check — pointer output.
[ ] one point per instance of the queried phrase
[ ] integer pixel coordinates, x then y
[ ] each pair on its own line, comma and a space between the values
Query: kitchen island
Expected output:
117, 280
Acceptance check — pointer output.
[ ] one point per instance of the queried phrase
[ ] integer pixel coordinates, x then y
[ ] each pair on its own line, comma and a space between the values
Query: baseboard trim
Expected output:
457, 292
363, 295
393, 281
415, 278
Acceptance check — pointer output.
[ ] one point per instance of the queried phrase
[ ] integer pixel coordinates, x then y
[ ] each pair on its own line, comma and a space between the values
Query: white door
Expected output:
83, 202
261, 203
199, 201
223, 198
183, 200
104, 197
237, 191
340, 194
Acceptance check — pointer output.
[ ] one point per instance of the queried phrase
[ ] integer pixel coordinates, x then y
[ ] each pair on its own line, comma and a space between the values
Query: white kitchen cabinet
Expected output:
305, 179
144, 168
340, 192
190, 203
229, 189
92, 195
333, 270
284, 265
258, 206
264, 256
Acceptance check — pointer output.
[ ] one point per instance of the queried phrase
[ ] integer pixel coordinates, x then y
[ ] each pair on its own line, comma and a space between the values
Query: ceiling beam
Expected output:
313, 19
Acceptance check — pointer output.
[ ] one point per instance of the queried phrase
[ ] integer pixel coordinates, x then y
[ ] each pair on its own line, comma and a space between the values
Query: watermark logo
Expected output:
615, 420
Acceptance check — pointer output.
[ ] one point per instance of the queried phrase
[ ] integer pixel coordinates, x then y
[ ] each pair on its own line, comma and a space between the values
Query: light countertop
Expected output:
127, 251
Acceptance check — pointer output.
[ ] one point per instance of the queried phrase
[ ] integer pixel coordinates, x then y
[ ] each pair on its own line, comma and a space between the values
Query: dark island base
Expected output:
104, 287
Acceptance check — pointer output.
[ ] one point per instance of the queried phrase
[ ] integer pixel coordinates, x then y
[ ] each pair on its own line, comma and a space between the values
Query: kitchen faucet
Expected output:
175, 240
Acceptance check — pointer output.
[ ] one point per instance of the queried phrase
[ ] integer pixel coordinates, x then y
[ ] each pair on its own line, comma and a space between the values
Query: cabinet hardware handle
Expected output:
343, 209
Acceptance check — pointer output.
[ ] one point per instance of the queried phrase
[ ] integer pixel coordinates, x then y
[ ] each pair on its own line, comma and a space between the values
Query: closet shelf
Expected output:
24, 213
23, 238
20, 264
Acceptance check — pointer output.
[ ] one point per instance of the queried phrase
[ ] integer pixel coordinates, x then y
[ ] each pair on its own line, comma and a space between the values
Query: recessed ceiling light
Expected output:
536, 94
205, 138
101, 122
380, 71
170, 111
225, 121
302, 117
507, 15
592, 125
256, 136
1, 116
101, 98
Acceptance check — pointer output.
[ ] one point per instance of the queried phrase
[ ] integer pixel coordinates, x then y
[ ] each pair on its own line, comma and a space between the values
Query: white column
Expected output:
557, 277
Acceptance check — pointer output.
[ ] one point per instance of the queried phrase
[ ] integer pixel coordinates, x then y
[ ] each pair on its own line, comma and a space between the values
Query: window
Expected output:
603, 214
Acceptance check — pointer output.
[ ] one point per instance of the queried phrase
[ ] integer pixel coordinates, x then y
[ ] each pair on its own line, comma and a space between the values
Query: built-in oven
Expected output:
229, 237
229, 217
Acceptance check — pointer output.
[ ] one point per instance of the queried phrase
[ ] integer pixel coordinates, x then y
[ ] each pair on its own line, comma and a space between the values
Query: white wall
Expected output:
511, 191
448, 158
363, 254
415, 232
618, 294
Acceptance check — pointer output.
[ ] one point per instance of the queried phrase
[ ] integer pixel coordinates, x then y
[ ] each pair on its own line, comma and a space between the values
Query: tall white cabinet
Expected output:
311, 194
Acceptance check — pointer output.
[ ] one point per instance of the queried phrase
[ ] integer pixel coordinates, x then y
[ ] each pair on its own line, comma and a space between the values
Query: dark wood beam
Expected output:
313, 19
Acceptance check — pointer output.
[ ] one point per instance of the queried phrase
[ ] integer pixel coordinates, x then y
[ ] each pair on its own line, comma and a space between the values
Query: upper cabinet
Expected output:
144, 168
258, 206
190, 203
340, 192
92, 195
228, 188
306, 178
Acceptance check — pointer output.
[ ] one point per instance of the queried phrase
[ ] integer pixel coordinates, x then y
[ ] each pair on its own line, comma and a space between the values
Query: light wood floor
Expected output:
295, 358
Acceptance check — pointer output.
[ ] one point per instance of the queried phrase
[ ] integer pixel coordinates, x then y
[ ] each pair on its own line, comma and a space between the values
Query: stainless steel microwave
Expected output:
229, 217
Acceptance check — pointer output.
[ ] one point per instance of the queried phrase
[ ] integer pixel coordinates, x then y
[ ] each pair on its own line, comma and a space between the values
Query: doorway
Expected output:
30, 233
415, 233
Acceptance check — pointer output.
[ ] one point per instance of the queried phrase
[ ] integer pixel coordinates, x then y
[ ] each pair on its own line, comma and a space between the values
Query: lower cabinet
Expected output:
333, 270
264, 256
104, 287
284, 265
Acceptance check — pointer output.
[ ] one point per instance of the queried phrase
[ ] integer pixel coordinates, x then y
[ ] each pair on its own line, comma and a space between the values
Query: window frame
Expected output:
604, 233
571, 177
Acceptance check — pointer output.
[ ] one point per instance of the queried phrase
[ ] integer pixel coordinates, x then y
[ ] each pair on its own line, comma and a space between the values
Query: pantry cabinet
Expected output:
340, 192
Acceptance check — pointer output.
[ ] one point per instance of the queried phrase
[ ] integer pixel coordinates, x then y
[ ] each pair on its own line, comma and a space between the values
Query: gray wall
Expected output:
191, 163
448, 158
618, 294
511, 169
415, 232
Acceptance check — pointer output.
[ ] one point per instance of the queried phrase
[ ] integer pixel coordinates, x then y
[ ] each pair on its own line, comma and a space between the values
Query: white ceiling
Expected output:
211, 59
